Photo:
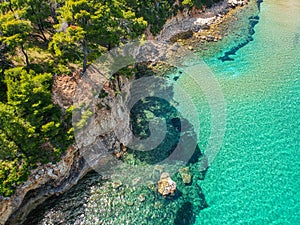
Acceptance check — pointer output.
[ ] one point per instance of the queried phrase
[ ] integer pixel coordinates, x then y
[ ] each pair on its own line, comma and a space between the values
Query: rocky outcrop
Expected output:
185, 24
102, 137
166, 185
64, 88
45, 181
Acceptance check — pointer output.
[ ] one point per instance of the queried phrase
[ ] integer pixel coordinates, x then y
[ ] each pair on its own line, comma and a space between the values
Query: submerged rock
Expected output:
129, 203
151, 186
166, 185
142, 198
159, 168
186, 175
116, 184
158, 205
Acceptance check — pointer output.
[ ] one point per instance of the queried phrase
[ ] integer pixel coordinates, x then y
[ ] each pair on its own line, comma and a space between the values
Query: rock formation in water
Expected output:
166, 185
185, 175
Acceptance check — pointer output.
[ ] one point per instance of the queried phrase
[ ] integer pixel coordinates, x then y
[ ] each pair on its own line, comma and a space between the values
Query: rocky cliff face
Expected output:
43, 182
54, 179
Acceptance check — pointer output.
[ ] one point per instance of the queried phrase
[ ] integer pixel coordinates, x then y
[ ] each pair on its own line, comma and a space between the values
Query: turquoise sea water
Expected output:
255, 177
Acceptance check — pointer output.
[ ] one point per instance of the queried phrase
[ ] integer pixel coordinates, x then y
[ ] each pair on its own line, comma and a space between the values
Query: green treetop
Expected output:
87, 26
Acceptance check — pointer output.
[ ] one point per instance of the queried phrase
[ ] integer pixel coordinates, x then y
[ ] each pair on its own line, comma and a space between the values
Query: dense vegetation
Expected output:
42, 38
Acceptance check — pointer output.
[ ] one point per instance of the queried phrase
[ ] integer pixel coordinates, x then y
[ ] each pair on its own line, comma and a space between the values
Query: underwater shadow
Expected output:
185, 215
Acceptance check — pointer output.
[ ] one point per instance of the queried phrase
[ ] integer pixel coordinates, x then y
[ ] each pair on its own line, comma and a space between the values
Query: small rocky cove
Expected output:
51, 180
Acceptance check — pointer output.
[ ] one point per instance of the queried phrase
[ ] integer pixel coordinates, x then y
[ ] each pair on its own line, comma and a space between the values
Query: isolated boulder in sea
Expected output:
166, 185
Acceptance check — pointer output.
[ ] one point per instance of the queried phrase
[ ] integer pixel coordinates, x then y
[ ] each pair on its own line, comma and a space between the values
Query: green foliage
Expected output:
17, 130
199, 3
188, 3
14, 132
35, 11
14, 31
86, 25
31, 127
86, 115
154, 12
12, 173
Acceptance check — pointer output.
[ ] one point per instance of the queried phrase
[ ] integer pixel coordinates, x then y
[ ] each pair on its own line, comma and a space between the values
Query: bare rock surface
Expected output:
166, 185
181, 26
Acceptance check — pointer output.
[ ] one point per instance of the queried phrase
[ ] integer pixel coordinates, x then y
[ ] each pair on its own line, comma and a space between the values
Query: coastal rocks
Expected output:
183, 35
234, 3
185, 24
209, 38
166, 185
185, 175
176, 29
175, 47
60, 177
205, 22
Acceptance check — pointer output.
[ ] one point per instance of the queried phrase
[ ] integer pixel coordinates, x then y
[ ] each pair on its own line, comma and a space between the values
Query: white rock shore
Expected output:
179, 25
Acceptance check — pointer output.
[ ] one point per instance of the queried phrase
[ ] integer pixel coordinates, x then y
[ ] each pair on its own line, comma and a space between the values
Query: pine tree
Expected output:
14, 31
87, 26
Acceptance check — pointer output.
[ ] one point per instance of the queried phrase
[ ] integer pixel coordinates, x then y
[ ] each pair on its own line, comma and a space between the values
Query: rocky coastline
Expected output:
54, 179
185, 25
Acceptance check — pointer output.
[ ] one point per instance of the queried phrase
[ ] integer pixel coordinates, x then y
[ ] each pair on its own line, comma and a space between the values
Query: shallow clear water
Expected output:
255, 177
